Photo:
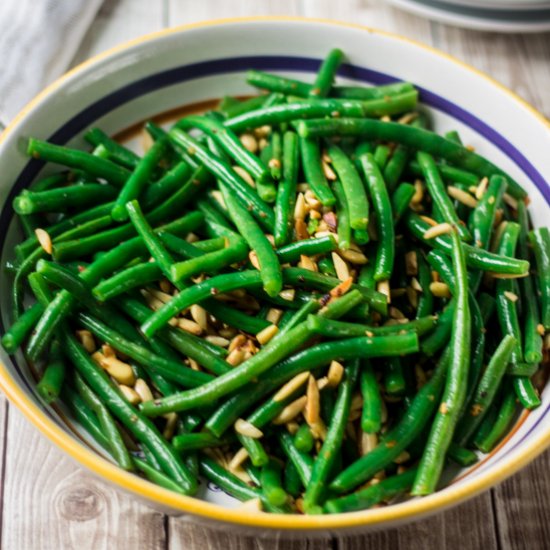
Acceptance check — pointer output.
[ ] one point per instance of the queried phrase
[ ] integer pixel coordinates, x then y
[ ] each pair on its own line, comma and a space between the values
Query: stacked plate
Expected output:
491, 15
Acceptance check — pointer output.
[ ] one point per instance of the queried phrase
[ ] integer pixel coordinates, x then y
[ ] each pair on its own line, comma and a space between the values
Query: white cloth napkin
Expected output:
38, 39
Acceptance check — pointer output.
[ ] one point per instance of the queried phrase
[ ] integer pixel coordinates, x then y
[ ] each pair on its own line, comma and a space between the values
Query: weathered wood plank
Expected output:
522, 506
49, 502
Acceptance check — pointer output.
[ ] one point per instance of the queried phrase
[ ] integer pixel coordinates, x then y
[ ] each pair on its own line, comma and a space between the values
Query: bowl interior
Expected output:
191, 65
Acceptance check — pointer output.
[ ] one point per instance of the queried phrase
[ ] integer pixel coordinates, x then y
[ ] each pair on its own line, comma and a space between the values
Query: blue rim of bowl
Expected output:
75, 125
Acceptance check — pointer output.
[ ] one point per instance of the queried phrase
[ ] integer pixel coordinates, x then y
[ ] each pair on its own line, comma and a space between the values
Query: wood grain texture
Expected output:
48, 502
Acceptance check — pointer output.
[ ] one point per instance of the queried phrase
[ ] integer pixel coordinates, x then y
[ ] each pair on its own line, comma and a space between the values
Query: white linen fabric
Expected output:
38, 39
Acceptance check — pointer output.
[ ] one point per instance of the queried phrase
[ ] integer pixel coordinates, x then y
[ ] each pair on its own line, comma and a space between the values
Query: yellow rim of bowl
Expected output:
397, 513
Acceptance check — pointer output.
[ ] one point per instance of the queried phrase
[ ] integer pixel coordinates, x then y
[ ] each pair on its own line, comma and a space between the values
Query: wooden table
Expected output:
48, 502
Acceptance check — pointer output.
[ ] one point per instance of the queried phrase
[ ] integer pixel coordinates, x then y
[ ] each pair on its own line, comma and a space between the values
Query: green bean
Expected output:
401, 199
312, 167
140, 426
108, 426
21, 328
461, 456
394, 380
485, 442
409, 427
526, 392
326, 266
224, 172
438, 193
303, 462
476, 258
540, 241
156, 476
384, 218
229, 142
286, 191
291, 253
303, 439
372, 495
132, 277
417, 138
327, 73
454, 394
354, 189
291, 480
275, 162
255, 450
342, 216
51, 382
371, 415
333, 441
486, 390
235, 251
62, 199
90, 164
117, 152
271, 483
191, 250
251, 104
270, 268
234, 317
291, 111
194, 441
482, 218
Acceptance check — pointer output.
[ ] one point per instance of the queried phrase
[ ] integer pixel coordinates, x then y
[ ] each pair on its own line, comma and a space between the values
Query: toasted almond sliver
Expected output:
130, 394
236, 357
322, 383
244, 427
341, 267
356, 402
408, 118
265, 335
367, 443
163, 297
412, 296
44, 239
300, 210
86, 338
335, 374
287, 294
319, 430
396, 313
461, 196
121, 372
193, 364
244, 175
238, 458
199, 316
253, 257
402, 457
342, 288
510, 201
291, 411
416, 285
165, 286
441, 290
384, 288
312, 409
189, 326
249, 142
411, 263
428, 220
170, 426
494, 275
311, 200
481, 188
218, 197
146, 141
418, 193
292, 427
300, 228
437, 230
291, 386
511, 296
540, 329
108, 351
143, 390
237, 342
307, 263
355, 257
274, 315
328, 171
217, 341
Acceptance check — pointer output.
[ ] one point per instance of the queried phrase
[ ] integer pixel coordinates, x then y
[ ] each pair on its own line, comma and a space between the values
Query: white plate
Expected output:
198, 62
511, 5
468, 18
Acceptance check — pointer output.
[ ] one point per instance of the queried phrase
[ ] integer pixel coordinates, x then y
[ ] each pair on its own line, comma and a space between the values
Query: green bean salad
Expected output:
287, 296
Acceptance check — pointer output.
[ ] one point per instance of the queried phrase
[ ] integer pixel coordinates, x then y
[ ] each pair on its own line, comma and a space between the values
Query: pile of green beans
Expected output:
308, 298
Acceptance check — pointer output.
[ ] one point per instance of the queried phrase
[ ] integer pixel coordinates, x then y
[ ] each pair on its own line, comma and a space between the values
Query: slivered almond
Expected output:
86, 338
396, 313
237, 342
200, 316
291, 411
291, 386
292, 427
192, 238
217, 341
121, 372
307, 263
146, 141
367, 443
235, 357
340, 266
481, 188
170, 426
238, 458
440, 290
265, 335
129, 394
189, 326
408, 118
511, 296
328, 171
319, 430
108, 351
510, 201
300, 210
416, 285
163, 297
418, 192
244, 427
218, 197
252, 256
262, 131
356, 402
193, 364
44, 239
412, 296
312, 409
335, 374
355, 257
494, 275
300, 228
402, 457
312, 201
411, 263
249, 142
143, 390
342, 288
428, 220
497, 235
274, 315
384, 288
287, 294
322, 383
244, 175
461, 196
438, 230
165, 286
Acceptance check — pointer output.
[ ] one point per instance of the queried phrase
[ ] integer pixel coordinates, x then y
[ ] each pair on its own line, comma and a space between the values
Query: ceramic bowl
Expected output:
194, 63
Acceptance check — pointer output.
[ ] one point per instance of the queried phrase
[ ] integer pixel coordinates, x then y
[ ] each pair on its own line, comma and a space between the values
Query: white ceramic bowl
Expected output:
193, 63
